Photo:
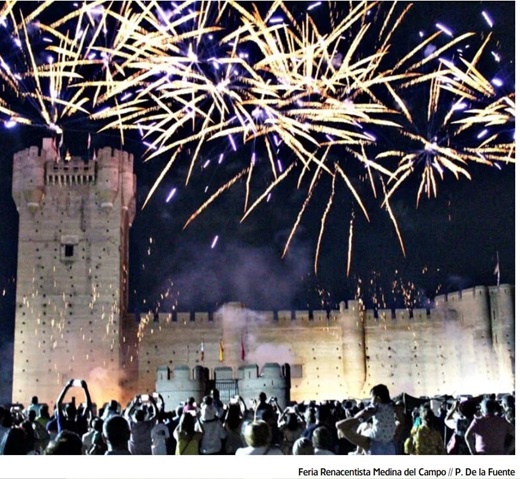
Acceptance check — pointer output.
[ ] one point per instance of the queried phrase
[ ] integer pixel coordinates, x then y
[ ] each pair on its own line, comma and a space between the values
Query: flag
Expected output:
202, 351
221, 351
497, 270
243, 349
60, 146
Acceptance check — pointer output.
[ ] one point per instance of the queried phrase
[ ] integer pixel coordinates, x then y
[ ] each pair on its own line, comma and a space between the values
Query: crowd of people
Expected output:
379, 426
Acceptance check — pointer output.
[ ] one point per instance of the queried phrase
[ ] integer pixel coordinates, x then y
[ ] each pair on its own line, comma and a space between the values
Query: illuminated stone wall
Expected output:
72, 294
456, 348
71, 274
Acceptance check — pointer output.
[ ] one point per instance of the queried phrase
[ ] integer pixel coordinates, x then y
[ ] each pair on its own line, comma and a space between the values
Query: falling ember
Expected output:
213, 244
488, 19
444, 29
170, 196
232, 141
350, 239
314, 5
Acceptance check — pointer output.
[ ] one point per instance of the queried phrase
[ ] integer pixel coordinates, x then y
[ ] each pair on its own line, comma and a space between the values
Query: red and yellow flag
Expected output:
221, 351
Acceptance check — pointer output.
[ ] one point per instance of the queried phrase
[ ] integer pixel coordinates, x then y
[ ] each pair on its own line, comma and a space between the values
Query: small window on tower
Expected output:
69, 248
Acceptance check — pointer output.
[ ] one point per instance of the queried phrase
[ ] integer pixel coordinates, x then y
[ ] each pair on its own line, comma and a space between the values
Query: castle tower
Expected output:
503, 331
353, 346
72, 275
480, 371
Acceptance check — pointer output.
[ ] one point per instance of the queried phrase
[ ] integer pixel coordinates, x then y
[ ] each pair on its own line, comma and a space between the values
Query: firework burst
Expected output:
325, 94
445, 134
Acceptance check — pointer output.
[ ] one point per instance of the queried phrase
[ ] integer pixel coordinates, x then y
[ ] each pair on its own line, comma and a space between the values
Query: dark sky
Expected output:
451, 241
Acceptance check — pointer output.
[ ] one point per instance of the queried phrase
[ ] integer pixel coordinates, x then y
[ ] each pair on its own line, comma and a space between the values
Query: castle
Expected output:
71, 318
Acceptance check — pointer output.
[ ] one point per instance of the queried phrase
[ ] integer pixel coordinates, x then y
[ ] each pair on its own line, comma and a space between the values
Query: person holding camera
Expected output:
261, 405
214, 433
233, 421
291, 425
188, 435
69, 417
458, 418
142, 417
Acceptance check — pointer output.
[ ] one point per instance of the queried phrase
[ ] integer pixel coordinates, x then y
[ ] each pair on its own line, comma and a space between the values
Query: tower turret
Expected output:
108, 177
29, 176
353, 345
128, 183
503, 331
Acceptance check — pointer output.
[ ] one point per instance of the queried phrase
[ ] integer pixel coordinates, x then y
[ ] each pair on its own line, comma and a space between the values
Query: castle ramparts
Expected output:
453, 347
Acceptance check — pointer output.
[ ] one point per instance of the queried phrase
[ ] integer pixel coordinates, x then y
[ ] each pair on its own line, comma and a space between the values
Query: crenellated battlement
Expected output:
504, 289
243, 316
73, 172
184, 319
75, 215
180, 382
463, 295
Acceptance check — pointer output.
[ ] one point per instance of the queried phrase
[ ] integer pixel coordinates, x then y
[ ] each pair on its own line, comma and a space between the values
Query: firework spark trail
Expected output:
294, 57
267, 191
392, 217
296, 223
433, 150
323, 221
437, 148
51, 87
199, 73
350, 242
216, 195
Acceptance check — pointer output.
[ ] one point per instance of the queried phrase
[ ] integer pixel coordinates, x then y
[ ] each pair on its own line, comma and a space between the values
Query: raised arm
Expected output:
63, 393
161, 405
130, 409
154, 408
242, 404
88, 400
278, 408
282, 416
449, 420
469, 437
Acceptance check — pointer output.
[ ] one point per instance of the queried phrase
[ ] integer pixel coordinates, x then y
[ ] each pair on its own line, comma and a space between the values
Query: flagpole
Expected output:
497, 271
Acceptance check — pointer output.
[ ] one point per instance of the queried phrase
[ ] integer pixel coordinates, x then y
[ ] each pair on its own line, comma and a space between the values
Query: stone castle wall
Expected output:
456, 348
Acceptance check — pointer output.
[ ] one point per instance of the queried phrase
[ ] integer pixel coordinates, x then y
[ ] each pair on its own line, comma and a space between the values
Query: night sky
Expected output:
451, 241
